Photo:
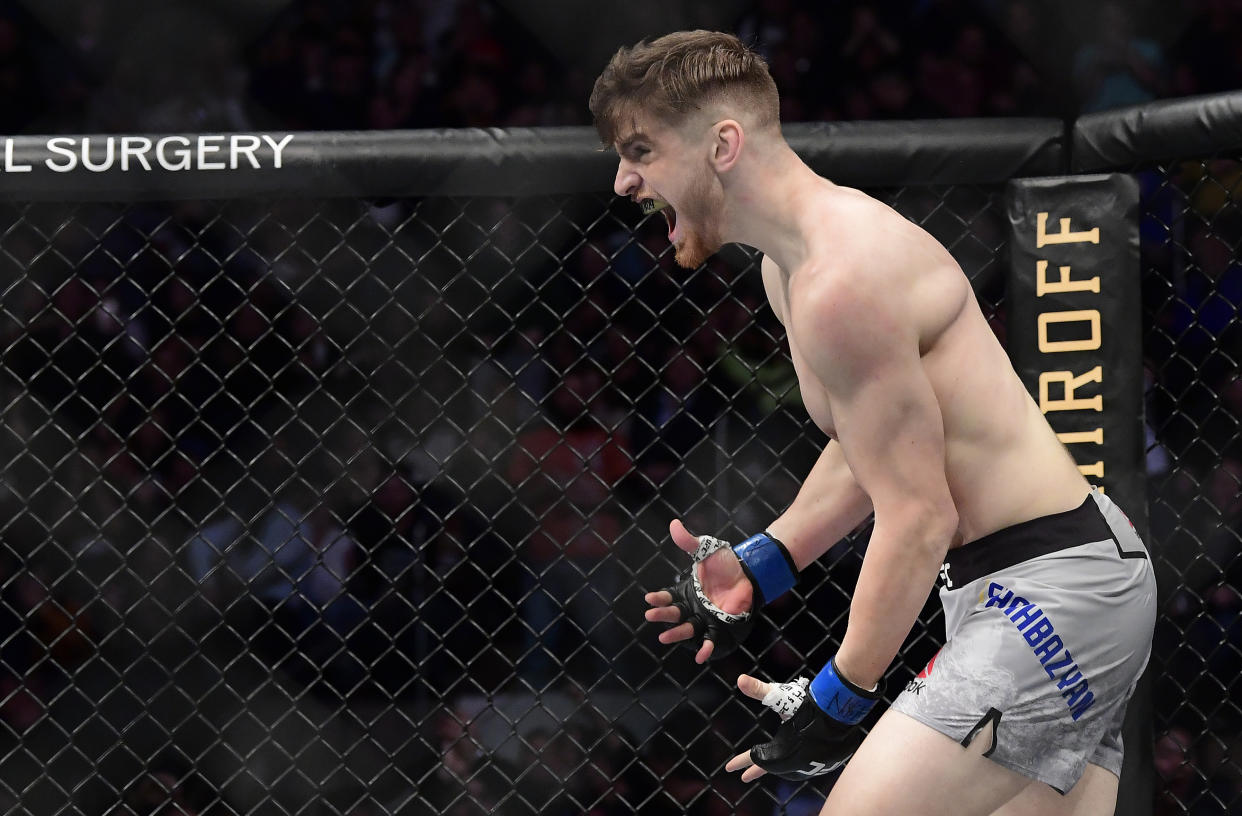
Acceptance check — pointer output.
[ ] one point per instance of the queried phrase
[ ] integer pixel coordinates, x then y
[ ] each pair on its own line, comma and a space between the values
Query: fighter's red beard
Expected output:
698, 222
700, 231
693, 251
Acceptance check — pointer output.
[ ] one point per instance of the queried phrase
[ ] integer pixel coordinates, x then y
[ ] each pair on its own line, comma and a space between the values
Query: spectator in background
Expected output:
673, 418
955, 84
1028, 93
340, 82
871, 45
393, 528
50, 634
1216, 291
550, 760
405, 95
566, 470
411, 533
466, 781
767, 24
333, 613
1118, 67
1180, 783
757, 375
1206, 57
75, 353
871, 80
250, 571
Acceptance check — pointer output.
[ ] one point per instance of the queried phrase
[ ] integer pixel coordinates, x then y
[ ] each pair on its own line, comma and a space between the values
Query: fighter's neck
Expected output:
768, 209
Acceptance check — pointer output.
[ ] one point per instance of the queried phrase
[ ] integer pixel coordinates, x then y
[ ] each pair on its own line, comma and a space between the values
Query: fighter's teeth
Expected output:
651, 205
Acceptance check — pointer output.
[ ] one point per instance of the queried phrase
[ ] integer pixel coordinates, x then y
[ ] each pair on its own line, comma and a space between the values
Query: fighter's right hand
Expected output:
716, 601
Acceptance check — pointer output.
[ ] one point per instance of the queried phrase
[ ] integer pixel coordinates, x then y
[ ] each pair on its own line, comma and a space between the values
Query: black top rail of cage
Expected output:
536, 161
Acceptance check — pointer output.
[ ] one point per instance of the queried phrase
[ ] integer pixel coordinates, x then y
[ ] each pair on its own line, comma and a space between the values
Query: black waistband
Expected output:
1024, 541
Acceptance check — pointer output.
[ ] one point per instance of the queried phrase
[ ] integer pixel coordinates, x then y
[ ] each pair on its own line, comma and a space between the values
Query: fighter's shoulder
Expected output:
833, 292
874, 247
867, 224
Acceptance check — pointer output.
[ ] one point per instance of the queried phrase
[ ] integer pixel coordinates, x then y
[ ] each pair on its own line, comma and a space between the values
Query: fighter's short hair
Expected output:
675, 75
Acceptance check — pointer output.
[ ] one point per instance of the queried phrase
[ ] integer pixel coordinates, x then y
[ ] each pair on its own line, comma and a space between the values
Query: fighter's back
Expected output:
1004, 464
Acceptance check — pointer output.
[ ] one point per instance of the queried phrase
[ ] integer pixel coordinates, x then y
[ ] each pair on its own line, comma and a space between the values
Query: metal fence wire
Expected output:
348, 507
1191, 238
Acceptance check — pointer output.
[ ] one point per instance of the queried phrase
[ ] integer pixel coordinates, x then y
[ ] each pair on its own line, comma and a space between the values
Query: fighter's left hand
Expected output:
756, 689
810, 741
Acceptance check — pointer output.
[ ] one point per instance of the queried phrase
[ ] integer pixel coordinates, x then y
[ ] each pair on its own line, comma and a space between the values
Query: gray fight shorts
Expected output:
1049, 626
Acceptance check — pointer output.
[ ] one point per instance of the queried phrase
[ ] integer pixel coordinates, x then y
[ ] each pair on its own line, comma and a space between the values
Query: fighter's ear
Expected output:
727, 141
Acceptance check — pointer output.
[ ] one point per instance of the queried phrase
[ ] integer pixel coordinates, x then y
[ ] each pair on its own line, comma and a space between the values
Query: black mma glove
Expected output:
820, 729
767, 565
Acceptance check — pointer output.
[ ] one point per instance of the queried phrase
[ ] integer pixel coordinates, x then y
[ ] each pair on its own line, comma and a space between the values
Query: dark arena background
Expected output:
345, 407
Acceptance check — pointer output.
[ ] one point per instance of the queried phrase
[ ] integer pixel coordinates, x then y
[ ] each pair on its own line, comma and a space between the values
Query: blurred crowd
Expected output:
182, 397
1192, 231
329, 64
285, 477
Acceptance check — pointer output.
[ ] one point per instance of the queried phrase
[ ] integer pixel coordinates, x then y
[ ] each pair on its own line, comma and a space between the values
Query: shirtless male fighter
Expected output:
1048, 592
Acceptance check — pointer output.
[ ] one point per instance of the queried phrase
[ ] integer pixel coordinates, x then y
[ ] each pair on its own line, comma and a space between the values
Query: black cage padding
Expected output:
1170, 129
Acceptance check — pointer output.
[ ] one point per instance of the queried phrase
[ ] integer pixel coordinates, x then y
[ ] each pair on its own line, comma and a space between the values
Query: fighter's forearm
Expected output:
828, 507
898, 572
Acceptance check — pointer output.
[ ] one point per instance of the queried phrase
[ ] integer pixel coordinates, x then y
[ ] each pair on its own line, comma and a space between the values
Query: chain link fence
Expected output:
1191, 235
348, 507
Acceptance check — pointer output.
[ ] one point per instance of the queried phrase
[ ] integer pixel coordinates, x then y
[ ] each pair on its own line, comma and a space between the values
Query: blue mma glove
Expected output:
766, 564
819, 734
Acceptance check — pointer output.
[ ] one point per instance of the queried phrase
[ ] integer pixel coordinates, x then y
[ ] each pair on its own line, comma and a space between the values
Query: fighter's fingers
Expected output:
677, 633
659, 598
683, 538
743, 762
705, 652
753, 687
663, 614
739, 762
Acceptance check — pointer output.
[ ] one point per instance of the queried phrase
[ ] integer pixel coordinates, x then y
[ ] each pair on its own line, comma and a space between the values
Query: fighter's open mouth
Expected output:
654, 205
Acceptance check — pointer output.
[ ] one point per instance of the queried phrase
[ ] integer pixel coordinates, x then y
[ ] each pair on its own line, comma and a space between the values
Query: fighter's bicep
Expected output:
884, 408
892, 435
